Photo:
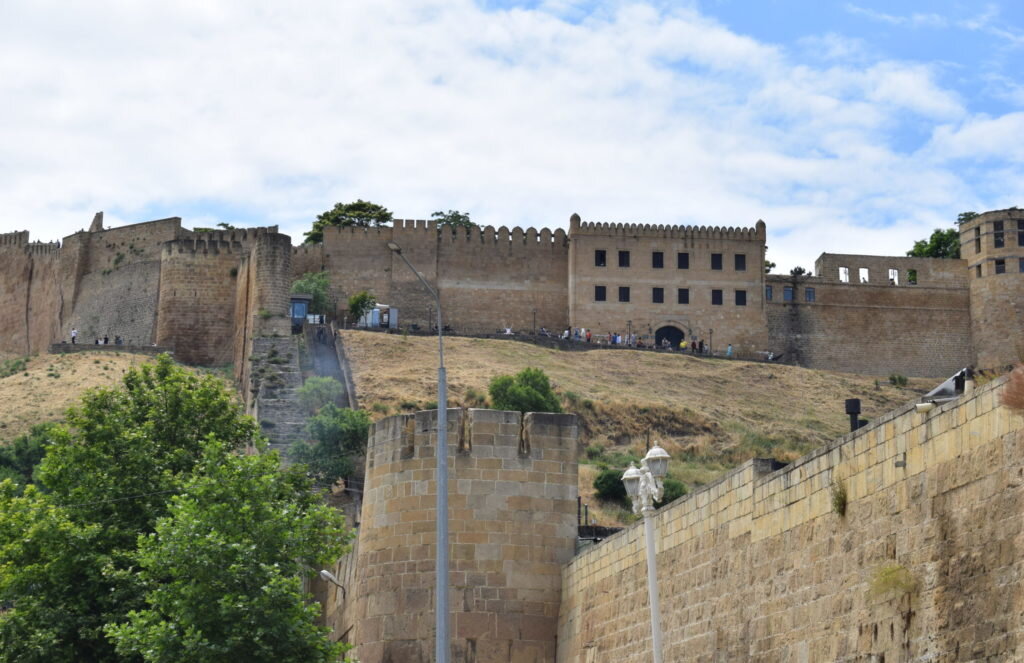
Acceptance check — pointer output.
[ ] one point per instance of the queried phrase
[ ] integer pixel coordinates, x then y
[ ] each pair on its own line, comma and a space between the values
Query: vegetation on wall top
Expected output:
361, 213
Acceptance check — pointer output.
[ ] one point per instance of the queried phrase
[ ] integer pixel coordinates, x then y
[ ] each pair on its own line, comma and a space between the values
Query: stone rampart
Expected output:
512, 499
759, 566
30, 293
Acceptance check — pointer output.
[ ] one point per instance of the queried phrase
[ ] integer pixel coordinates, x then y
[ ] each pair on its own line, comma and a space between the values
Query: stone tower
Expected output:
993, 246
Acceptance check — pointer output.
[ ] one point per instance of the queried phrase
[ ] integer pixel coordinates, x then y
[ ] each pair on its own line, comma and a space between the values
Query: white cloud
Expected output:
626, 113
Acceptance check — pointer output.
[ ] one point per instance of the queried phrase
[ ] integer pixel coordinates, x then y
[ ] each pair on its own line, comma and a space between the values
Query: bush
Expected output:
526, 391
609, 486
339, 438
11, 366
898, 380
595, 451
318, 392
359, 304
674, 489
892, 581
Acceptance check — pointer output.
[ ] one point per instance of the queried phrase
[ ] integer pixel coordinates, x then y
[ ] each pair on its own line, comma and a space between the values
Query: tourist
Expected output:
728, 351
74, 335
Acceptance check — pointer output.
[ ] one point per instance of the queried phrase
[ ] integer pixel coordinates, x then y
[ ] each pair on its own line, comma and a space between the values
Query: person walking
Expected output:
728, 351
74, 335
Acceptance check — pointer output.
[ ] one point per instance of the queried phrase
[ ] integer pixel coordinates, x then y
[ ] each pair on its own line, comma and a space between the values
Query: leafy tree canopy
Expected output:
19, 459
360, 213
316, 285
318, 391
71, 556
768, 266
360, 303
797, 271
964, 217
608, 485
339, 438
453, 218
526, 391
941, 244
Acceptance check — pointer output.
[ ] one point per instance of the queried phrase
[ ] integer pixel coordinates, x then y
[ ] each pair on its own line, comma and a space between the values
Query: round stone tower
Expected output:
993, 246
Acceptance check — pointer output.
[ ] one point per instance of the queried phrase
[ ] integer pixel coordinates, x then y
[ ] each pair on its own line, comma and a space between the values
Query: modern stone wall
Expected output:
758, 566
740, 322
875, 329
512, 499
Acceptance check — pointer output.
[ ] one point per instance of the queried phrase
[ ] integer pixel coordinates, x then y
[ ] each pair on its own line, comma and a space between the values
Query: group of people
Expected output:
105, 340
632, 340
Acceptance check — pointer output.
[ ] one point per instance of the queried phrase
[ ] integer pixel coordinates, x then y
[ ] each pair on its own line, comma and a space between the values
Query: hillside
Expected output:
710, 414
49, 384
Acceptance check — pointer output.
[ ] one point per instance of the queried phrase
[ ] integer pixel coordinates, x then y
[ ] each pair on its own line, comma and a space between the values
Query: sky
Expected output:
848, 127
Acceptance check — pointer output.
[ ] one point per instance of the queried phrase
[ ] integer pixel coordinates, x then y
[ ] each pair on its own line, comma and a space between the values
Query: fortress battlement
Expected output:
201, 245
43, 248
16, 238
516, 235
666, 231
233, 235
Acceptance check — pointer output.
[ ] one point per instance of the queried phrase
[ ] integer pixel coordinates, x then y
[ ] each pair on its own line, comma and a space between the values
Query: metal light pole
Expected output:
644, 488
442, 650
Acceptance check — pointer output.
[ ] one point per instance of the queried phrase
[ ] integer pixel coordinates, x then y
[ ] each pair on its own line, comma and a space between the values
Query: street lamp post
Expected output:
644, 488
442, 650
534, 322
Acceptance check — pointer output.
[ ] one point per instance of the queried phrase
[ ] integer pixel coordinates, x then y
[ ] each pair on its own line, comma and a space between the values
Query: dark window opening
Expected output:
997, 234
911, 277
767, 293
977, 271
658, 295
657, 260
1020, 233
787, 293
741, 262
716, 297
716, 261
1022, 265
809, 294
741, 298
600, 293
1000, 266
683, 260
624, 293
683, 294
600, 258
977, 239
623, 258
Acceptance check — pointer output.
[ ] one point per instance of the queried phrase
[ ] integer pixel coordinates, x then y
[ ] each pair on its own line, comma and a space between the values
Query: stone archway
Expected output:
674, 335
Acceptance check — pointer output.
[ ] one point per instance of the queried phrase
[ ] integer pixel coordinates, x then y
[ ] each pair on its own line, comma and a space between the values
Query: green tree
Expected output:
19, 459
339, 438
673, 490
360, 213
359, 304
768, 266
68, 557
797, 271
226, 226
316, 285
526, 391
609, 486
941, 244
964, 217
317, 392
453, 218
222, 569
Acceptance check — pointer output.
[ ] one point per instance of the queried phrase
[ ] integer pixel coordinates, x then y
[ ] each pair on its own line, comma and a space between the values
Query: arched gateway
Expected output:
674, 335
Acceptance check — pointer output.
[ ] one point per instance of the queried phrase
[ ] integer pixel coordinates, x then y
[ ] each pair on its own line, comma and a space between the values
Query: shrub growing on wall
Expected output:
529, 390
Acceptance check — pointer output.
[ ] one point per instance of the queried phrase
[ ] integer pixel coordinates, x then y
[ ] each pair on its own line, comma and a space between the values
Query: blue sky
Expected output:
848, 127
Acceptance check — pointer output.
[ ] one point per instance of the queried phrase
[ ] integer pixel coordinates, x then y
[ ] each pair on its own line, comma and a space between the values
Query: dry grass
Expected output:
1013, 392
52, 383
709, 414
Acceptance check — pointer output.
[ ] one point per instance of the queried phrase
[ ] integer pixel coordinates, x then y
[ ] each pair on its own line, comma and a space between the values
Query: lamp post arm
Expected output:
437, 300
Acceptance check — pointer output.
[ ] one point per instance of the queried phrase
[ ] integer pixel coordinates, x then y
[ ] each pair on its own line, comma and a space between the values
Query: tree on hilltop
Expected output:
317, 286
361, 213
941, 244
529, 390
453, 218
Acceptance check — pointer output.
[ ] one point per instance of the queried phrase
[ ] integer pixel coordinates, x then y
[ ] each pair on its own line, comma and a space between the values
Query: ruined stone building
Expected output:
204, 293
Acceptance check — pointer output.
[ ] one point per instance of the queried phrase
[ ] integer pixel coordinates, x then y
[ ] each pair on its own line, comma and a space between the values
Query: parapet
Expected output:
17, 238
201, 245
666, 231
233, 235
503, 235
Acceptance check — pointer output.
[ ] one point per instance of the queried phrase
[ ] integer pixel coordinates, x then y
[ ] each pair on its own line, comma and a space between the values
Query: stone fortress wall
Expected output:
759, 567
512, 483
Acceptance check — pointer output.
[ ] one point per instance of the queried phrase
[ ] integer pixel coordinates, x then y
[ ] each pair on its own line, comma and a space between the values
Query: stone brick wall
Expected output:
512, 505
758, 567
875, 329
997, 299
30, 293
741, 324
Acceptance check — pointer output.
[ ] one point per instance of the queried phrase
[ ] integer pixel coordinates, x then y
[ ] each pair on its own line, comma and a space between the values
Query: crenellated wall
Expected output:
759, 567
512, 500
30, 293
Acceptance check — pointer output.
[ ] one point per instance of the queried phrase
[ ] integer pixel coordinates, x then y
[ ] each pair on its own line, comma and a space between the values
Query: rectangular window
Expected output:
683, 260
741, 298
623, 258
977, 239
683, 294
767, 293
977, 271
741, 262
911, 277
600, 293
787, 293
624, 293
657, 260
600, 258
894, 277
1022, 265
1000, 266
997, 234
844, 274
716, 261
658, 295
716, 297
1020, 233
863, 274
809, 294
